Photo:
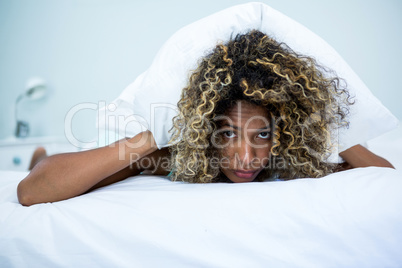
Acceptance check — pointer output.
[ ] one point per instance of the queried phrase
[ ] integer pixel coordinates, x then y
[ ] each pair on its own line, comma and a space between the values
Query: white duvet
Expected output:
347, 219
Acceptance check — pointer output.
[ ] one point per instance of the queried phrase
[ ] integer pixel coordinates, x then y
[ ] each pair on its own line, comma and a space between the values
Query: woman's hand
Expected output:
359, 156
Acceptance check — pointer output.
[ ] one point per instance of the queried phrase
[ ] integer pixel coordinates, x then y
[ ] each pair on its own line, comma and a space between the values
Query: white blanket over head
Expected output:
150, 102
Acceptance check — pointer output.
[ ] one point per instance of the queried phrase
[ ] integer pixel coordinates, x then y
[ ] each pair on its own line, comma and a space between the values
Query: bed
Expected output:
347, 219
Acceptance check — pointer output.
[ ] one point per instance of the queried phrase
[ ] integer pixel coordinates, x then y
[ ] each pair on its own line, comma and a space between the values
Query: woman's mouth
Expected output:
245, 174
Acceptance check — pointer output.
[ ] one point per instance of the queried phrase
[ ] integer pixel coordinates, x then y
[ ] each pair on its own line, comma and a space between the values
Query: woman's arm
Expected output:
156, 163
63, 176
359, 156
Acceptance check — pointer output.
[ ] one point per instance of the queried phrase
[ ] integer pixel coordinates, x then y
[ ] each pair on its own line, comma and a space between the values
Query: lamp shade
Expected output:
35, 88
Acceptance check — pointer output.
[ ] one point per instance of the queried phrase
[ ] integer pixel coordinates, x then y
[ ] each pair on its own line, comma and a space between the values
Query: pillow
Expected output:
150, 102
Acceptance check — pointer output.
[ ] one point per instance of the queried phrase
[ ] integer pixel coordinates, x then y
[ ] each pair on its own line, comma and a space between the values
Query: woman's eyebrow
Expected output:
237, 128
265, 128
229, 125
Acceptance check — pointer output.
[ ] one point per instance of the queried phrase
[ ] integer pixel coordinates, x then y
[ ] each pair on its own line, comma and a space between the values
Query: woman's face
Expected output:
246, 141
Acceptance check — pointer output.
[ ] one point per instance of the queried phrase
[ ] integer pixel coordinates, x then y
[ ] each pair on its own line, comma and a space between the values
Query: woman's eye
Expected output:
229, 134
264, 135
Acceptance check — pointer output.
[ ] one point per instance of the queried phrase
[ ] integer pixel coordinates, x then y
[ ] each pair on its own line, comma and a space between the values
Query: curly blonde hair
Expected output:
305, 105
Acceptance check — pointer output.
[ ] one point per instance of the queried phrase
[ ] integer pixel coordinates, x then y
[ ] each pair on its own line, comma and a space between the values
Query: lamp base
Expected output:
22, 129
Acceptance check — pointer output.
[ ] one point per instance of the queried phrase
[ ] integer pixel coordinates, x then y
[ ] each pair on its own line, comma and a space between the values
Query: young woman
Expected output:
253, 110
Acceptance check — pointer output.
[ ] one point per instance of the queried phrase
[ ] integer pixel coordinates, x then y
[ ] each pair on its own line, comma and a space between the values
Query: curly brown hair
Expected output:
305, 103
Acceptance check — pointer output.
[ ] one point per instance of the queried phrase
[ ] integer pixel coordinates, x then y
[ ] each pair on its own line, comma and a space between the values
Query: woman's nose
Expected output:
246, 153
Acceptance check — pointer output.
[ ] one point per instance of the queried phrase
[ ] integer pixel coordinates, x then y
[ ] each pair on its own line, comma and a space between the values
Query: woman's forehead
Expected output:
245, 112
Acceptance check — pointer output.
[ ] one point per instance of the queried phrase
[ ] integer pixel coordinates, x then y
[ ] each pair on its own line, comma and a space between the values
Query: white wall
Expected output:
88, 51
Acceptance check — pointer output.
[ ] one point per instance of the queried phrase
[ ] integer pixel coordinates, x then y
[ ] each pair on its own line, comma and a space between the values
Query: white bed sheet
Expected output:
347, 219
